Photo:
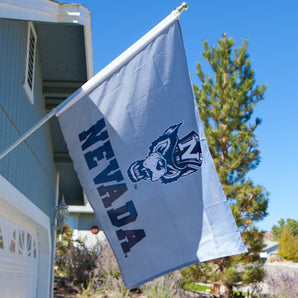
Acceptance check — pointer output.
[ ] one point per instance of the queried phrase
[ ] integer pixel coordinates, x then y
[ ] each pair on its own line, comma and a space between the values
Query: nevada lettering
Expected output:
110, 183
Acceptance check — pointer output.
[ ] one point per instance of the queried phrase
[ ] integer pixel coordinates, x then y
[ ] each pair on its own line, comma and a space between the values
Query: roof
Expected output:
269, 245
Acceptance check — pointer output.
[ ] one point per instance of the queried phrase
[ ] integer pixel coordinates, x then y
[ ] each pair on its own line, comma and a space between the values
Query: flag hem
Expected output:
174, 269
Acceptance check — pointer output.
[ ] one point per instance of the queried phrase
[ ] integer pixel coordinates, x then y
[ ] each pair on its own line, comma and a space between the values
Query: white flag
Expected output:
139, 149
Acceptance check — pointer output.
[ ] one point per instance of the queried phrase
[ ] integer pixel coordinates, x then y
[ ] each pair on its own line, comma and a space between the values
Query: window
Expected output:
30, 62
13, 241
1, 239
29, 244
34, 249
21, 241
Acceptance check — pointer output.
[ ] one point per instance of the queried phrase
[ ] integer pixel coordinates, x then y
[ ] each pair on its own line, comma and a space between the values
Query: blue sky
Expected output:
271, 28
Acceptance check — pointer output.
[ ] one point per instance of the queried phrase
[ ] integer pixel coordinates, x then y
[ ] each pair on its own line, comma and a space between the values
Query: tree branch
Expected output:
244, 207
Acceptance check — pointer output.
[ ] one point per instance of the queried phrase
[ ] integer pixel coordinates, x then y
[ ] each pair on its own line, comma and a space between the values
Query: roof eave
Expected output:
53, 12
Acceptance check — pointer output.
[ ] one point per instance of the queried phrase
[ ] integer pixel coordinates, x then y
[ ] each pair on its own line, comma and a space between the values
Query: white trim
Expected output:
86, 208
17, 200
89, 47
54, 232
86, 202
44, 11
80, 209
14, 201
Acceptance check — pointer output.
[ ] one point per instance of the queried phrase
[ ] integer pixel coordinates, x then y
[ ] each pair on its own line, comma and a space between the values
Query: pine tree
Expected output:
226, 101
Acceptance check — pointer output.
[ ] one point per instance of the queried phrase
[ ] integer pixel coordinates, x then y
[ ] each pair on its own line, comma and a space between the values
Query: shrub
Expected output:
272, 259
83, 270
86, 271
110, 277
77, 266
282, 285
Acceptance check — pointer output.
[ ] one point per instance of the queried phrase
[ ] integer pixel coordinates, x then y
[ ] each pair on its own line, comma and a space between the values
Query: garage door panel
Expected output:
18, 257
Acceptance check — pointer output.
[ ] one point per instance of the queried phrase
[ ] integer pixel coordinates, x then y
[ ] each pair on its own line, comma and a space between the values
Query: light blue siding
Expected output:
82, 221
29, 167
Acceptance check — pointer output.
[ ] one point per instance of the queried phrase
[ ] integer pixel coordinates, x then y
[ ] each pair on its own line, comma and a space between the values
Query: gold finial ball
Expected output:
182, 7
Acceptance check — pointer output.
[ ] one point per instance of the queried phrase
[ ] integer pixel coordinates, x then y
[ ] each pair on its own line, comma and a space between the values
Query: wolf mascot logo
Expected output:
169, 158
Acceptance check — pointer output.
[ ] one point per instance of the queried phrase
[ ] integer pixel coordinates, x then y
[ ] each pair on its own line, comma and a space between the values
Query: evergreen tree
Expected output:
226, 100
291, 224
277, 230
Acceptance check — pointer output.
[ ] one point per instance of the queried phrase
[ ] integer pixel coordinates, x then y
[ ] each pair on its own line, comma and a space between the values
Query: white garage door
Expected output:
18, 256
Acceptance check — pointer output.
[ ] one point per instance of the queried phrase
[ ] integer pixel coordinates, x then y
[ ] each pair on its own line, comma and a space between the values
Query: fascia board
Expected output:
89, 47
44, 11
80, 209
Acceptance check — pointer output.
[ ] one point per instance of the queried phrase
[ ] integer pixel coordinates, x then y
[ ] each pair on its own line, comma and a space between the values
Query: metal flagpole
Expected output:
104, 73
29, 132
123, 58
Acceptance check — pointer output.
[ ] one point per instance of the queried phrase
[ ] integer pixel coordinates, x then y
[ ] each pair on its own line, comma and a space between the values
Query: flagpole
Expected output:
28, 133
122, 59
103, 74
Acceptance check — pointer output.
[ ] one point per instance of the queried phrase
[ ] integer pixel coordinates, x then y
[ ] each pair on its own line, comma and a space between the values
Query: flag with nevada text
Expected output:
139, 150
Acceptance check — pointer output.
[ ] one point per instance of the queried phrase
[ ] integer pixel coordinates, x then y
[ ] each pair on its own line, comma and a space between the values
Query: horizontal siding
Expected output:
82, 221
29, 167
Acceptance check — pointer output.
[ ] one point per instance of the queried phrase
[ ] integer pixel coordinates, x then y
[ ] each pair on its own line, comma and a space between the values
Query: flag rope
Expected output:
103, 74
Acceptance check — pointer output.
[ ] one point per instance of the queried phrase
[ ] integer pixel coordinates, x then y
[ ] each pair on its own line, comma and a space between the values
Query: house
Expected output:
46, 54
81, 221
271, 249
271, 246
